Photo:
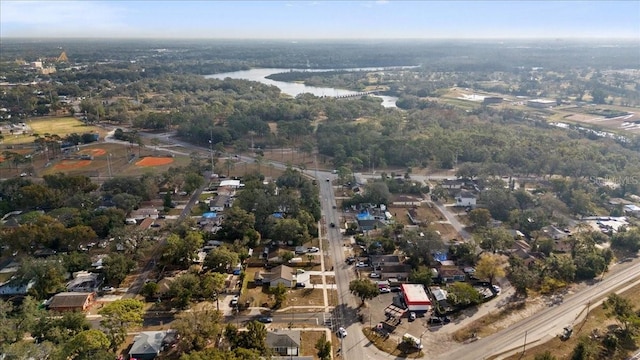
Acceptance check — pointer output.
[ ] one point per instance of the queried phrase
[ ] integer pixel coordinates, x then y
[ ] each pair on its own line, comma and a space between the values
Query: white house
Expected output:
231, 183
632, 209
466, 199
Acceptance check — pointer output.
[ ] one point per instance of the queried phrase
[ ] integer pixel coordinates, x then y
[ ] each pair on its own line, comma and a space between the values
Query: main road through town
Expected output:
547, 323
355, 345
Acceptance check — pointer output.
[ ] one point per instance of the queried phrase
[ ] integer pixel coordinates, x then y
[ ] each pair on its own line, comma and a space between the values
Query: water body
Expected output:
294, 89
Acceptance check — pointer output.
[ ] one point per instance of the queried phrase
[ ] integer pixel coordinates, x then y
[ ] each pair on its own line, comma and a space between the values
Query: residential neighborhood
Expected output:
317, 199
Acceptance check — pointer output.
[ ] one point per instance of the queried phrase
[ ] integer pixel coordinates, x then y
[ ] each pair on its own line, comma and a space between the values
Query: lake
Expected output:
294, 89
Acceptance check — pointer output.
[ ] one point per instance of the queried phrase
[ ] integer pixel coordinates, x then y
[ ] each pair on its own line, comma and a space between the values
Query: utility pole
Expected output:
211, 150
109, 165
524, 346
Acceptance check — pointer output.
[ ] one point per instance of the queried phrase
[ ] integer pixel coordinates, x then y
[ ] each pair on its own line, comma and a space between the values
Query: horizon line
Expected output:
556, 38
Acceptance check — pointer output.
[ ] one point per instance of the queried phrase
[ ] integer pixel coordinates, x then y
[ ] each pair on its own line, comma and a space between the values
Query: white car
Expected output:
234, 300
375, 275
497, 289
314, 249
108, 289
361, 264
384, 290
342, 332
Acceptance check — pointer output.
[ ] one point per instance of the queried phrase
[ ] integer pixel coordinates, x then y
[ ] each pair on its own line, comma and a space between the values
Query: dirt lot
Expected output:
308, 340
317, 279
447, 232
430, 217
425, 213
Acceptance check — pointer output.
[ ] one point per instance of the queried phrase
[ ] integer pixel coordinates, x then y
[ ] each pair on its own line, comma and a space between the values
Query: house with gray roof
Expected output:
149, 344
281, 274
84, 281
284, 342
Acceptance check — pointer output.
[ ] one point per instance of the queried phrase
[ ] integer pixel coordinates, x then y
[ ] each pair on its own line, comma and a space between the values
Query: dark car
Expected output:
396, 289
439, 320
332, 225
265, 319
300, 285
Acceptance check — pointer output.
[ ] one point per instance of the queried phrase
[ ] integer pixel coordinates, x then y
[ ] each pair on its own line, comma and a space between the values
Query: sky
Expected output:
382, 19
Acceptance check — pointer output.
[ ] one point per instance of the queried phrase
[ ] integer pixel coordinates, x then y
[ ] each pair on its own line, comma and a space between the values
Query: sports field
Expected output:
61, 126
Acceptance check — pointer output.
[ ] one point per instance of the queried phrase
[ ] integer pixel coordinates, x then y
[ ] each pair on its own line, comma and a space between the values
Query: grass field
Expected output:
61, 126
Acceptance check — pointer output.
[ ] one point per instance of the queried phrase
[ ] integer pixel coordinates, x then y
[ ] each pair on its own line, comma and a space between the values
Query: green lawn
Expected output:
61, 126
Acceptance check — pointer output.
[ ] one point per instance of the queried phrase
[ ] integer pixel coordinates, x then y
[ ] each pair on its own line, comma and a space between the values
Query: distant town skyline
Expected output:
299, 20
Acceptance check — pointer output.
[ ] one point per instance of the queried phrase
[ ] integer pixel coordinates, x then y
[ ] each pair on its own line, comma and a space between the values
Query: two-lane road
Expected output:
353, 345
547, 323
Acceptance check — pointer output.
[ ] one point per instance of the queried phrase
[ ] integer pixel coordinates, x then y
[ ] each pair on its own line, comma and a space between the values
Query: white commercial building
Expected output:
416, 297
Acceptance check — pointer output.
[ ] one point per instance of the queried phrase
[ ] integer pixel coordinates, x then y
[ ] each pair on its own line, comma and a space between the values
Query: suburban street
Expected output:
355, 345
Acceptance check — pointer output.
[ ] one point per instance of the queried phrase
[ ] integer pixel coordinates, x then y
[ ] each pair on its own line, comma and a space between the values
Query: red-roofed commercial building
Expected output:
416, 297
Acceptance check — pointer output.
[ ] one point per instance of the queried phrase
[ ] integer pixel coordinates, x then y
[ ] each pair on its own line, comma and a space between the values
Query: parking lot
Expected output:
434, 338
377, 306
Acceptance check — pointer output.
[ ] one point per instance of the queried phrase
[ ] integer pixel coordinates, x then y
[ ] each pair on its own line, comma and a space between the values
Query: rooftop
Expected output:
283, 338
150, 342
69, 299
415, 292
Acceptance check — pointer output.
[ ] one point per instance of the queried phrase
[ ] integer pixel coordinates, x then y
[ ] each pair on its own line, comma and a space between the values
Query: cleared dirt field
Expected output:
625, 123
424, 213
308, 340
430, 218
317, 279
154, 161
93, 152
